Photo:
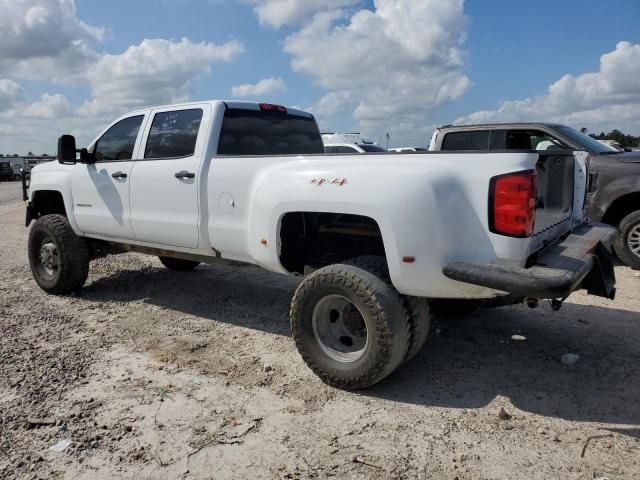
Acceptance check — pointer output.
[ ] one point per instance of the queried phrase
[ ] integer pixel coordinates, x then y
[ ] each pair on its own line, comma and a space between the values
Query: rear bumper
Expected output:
582, 260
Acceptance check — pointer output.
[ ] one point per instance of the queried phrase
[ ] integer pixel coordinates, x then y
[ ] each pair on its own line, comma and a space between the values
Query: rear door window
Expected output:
173, 134
259, 132
118, 142
473, 140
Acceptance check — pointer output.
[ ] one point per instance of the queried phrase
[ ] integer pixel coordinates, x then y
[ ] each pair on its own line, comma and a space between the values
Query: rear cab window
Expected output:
267, 132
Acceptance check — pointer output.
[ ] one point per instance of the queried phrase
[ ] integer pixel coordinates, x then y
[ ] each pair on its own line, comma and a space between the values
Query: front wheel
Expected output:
59, 259
350, 326
627, 245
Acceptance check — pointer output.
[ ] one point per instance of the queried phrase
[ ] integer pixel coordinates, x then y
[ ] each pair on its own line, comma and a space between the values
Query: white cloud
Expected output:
263, 87
49, 106
44, 40
392, 66
11, 94
602, 100
287, 12
37, 35
332, 103
155, 72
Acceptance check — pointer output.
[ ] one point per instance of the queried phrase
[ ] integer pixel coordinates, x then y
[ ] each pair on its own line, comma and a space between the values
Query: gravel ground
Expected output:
10, 191
158, 374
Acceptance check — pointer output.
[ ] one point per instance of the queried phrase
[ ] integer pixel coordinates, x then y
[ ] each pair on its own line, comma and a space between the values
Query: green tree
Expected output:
622, 138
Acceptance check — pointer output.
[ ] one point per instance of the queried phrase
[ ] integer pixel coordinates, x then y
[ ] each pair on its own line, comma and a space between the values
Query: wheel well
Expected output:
621, 207
46, 202
317, 239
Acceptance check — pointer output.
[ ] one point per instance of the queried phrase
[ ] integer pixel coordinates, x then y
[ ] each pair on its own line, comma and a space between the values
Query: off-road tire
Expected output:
621, 245
178, 264
453, 309
72, 255
417, 308
383, 314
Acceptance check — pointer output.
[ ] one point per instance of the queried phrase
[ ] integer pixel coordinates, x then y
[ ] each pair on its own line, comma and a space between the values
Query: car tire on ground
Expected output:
349, 326
178, 264
59, 259
627, 244
418, 310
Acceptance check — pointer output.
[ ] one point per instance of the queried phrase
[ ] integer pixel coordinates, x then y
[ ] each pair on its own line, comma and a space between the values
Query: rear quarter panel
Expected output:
430, 206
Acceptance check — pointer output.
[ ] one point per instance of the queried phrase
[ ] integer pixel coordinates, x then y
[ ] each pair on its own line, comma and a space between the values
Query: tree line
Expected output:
615, 134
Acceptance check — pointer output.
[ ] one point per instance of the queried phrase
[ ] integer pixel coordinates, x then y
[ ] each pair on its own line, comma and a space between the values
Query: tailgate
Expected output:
562, 183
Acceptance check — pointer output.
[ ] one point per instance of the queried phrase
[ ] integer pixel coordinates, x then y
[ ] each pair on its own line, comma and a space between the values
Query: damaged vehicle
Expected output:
377, 239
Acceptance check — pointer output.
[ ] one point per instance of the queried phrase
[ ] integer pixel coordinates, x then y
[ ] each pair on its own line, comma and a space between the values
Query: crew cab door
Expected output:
164, 181
100, 190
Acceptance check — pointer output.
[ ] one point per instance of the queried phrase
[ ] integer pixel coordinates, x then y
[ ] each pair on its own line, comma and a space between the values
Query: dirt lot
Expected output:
156, 374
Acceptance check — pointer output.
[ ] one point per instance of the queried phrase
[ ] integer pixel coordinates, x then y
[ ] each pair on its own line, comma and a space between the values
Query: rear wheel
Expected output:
627, 245
59, 259
178, 264
417, 309
349, 326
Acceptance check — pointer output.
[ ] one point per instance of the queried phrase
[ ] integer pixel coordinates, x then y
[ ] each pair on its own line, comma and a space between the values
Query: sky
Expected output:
373, 66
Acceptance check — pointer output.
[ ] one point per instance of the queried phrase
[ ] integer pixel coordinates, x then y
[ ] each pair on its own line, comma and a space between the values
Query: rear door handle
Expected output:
119, 175
185, 174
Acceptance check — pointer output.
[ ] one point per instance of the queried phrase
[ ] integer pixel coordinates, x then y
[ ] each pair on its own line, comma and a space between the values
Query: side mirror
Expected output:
67, 149
86, 157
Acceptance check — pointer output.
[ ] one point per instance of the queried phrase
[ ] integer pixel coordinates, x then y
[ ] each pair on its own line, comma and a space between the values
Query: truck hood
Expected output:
51, 166
629, 157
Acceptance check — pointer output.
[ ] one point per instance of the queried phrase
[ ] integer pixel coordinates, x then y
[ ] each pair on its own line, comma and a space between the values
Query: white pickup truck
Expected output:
380, 238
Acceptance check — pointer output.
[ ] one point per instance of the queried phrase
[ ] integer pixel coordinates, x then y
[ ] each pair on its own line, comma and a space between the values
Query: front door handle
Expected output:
119, 175
185, 174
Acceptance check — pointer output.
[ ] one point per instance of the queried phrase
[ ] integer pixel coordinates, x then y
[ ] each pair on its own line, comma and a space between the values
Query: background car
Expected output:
408, 149
614, 184
337, 142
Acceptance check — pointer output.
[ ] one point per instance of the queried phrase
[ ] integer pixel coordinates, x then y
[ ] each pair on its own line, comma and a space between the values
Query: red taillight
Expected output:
273, 108
512, 204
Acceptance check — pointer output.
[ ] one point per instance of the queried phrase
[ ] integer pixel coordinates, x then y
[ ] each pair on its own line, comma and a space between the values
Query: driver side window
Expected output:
118, 142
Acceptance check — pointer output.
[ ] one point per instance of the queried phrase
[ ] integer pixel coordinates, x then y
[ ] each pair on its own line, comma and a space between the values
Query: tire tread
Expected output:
392, 331
73, 254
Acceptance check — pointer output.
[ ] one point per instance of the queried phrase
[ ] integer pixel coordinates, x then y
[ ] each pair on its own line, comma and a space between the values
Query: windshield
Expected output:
585, 141
371, 148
